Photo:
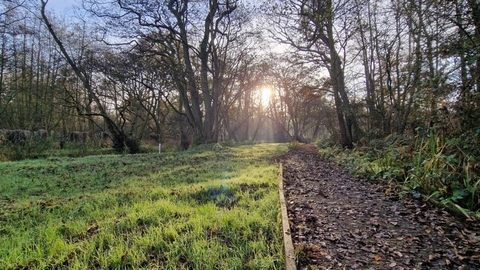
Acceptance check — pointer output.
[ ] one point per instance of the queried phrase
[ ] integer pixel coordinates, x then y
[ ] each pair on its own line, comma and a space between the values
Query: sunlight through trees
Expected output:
193, 72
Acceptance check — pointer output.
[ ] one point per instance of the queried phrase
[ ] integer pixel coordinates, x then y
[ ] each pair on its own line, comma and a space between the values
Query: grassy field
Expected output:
211, 207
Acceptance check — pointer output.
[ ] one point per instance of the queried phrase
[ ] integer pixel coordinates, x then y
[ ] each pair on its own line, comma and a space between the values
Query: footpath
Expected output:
339, 222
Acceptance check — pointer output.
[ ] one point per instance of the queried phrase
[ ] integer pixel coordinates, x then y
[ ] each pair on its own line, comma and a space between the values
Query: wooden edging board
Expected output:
287, 238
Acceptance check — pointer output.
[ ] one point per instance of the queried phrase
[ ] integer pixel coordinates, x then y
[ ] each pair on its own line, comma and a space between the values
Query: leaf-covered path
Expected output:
339, 222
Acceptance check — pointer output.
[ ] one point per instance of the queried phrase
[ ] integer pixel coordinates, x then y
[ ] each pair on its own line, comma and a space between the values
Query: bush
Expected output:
34, 147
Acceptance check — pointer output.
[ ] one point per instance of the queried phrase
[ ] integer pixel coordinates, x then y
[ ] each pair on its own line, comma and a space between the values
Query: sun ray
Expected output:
265, 96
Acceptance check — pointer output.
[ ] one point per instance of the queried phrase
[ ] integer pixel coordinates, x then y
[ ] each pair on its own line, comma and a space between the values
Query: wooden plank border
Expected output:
287, 238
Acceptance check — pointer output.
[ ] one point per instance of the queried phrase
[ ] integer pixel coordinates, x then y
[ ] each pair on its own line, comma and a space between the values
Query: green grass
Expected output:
211, 207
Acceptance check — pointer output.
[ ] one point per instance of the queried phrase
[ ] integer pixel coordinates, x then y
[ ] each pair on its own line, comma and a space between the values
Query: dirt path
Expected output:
339, 222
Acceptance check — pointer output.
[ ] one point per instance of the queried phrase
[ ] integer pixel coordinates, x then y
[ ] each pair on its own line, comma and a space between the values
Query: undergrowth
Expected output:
446, 171
37, 147
211, 207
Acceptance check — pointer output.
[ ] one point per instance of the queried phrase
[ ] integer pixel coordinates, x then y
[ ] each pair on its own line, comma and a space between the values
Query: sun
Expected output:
266, 93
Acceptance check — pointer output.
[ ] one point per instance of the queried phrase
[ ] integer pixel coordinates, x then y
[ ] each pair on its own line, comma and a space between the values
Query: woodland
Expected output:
391, 89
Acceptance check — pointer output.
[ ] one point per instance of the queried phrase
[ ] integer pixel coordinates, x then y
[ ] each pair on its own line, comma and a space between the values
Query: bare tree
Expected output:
297, 94
119, 137
194, 38
320, 42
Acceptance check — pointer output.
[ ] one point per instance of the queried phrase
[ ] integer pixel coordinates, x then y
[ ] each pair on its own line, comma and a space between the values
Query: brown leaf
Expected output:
93, 229
398, 253
315, 248
394, 223
433, 257
475, 258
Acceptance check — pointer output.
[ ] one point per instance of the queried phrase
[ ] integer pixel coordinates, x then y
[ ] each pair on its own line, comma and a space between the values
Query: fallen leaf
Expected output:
475, 258
93, 229
394, 223
398, 253
432, 257
315, 248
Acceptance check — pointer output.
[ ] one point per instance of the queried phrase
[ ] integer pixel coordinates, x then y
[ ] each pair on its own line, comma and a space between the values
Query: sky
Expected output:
62, 6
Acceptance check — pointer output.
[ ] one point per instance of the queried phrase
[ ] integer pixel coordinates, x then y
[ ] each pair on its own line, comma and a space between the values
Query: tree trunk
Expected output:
195, 115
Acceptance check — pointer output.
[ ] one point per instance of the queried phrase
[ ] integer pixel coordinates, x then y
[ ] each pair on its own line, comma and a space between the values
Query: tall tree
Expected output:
297, 94
84, 74
194, 37
317, 21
